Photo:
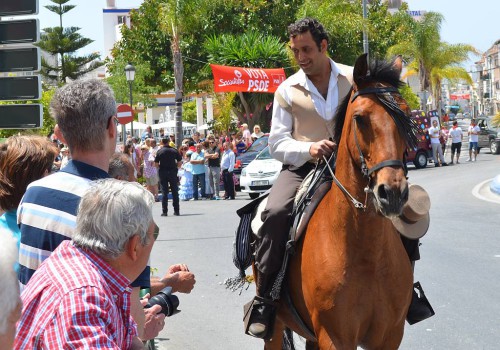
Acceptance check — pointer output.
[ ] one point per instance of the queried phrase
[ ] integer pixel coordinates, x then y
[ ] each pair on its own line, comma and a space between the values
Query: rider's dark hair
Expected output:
309, 24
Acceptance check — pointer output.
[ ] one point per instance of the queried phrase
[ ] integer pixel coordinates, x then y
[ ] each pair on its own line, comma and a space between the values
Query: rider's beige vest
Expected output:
308, 125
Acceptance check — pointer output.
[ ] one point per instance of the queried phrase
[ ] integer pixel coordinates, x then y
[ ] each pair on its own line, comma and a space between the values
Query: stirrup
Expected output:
420, 308
260, 311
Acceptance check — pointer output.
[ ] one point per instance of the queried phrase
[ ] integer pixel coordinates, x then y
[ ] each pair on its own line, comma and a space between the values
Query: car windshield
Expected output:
264, 154
258, 144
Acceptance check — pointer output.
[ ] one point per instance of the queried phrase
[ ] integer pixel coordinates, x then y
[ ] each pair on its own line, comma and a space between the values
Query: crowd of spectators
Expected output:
83, 239
79, 204
198, 174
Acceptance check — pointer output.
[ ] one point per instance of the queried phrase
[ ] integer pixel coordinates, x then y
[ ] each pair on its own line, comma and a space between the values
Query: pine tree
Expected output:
63, 43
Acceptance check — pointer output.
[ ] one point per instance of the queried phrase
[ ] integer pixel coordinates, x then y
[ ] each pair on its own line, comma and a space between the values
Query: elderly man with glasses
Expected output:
80, 297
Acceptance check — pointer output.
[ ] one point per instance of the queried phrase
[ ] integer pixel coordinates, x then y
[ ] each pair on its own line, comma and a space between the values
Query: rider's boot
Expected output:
261, 311
420, 308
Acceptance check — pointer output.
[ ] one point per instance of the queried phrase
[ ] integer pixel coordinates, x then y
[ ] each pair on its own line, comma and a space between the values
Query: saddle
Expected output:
312, 190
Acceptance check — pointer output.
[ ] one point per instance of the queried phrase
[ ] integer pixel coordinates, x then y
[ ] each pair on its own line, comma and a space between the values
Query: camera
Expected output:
168, 302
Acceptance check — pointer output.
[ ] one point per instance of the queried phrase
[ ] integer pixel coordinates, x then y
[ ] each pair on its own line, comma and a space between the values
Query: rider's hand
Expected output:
322, 148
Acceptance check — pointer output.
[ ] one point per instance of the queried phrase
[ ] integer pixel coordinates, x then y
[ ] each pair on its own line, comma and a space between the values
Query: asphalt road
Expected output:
459, 269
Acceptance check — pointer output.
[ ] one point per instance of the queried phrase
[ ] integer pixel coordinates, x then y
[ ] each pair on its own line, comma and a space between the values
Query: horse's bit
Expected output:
364, 168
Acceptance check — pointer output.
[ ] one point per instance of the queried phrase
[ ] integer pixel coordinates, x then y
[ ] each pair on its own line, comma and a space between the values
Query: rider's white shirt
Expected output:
282, 145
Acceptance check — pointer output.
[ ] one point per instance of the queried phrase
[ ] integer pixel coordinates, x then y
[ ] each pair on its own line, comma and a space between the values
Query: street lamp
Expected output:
130, 74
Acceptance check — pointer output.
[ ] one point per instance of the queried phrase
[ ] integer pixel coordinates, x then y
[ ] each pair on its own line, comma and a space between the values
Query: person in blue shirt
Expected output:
198, 170
23, 159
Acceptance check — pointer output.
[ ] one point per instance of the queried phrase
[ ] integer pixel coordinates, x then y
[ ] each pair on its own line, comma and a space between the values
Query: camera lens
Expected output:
168, 302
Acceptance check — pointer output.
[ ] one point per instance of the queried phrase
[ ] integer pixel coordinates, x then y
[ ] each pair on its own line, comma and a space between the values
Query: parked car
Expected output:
489, 137
245, 158
421, 154
259, 176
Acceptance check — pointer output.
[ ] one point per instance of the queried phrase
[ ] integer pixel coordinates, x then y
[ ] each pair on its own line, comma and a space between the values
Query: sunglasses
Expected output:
156, 232
115, 120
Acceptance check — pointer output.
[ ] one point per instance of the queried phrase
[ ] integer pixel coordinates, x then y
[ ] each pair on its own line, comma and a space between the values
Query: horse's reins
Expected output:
364, 168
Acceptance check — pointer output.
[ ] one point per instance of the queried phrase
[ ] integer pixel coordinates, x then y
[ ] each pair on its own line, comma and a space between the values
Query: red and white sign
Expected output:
459, 97
124, 114
227, 79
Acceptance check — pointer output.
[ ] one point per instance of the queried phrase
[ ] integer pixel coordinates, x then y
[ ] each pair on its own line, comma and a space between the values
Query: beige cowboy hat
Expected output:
413, 222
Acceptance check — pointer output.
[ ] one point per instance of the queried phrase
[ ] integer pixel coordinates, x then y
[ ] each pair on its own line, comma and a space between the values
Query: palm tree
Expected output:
175, 16
432, 59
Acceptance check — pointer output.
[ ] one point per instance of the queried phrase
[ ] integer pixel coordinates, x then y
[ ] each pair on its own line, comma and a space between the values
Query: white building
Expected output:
113, 19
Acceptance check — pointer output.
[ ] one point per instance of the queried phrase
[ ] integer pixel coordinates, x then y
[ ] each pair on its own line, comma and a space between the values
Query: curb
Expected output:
483, 191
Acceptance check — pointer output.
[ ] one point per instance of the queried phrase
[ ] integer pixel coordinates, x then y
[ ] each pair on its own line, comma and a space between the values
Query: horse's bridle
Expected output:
386, 163
367, 172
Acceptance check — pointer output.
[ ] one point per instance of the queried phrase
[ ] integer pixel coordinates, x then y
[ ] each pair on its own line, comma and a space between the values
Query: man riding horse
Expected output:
301, 134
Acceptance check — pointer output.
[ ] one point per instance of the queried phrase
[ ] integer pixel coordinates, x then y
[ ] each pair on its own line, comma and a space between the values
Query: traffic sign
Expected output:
20, 88
17, 65
21, 116
18, 7
20, 59
19, 31
125, 114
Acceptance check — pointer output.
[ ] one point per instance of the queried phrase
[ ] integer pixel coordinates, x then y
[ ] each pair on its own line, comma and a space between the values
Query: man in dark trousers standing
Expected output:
227, 166
168, 160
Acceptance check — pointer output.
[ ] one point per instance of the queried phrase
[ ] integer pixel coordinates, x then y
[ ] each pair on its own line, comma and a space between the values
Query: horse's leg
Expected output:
276, 342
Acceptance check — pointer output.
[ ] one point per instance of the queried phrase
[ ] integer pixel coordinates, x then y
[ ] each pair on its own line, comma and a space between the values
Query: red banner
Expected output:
227, 79
459, 97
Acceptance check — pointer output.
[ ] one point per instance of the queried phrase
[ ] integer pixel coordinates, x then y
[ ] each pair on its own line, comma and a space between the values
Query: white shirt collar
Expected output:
300, 78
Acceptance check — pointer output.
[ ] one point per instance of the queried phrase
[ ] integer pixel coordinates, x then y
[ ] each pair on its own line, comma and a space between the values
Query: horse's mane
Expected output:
381, 72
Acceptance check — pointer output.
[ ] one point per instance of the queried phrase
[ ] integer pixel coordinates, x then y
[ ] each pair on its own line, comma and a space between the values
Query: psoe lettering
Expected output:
258, 85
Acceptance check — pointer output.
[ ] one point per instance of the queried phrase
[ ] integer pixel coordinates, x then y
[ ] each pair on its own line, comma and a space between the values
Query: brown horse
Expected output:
350, 278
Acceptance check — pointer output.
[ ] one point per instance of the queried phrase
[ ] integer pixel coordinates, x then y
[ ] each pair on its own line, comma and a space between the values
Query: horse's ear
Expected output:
360, 68
398, 63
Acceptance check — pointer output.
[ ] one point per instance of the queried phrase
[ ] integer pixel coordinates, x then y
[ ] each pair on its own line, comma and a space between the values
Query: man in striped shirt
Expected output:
80, 296
85, 113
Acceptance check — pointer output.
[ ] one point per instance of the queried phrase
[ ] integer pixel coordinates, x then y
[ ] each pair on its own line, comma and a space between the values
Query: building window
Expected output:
122, 19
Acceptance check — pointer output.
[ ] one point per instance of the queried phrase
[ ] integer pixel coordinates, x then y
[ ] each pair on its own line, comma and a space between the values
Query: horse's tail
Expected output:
288, 340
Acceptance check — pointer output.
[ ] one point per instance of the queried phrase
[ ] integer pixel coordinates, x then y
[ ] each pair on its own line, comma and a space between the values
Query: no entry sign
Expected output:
124, 114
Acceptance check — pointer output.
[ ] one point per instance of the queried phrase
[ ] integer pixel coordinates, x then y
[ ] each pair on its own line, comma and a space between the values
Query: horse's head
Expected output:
376, 131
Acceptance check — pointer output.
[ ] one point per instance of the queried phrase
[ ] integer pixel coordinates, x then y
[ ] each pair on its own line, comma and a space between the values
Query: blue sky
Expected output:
468, 23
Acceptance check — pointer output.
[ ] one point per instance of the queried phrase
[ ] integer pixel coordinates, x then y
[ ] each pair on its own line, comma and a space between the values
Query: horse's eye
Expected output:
359, 119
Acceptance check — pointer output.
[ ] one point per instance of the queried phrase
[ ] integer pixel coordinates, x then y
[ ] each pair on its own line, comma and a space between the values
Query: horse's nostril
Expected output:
382, 192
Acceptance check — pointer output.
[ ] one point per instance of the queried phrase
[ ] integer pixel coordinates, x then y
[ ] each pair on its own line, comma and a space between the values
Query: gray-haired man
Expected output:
85, 115
80, 294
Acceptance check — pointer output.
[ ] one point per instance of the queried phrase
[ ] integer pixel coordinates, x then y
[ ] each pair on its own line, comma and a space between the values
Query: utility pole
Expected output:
365, 33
